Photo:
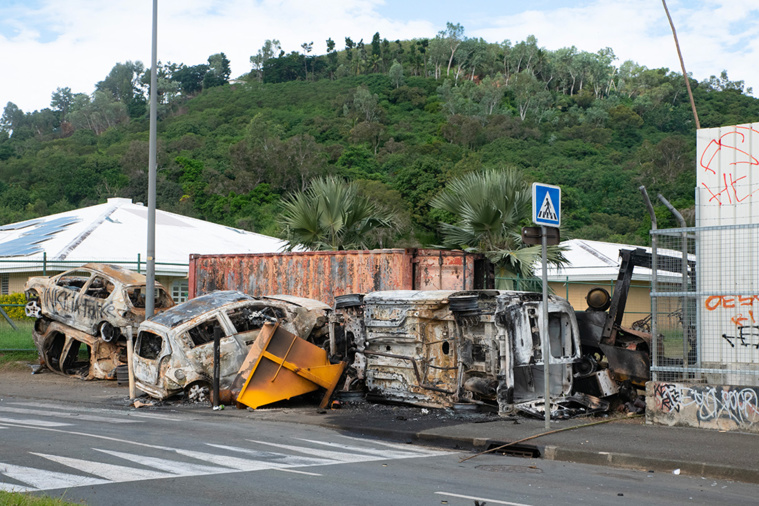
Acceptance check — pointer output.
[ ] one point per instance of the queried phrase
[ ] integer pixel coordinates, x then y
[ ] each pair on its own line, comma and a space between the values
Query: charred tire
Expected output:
33, 309
199, 392
107, 332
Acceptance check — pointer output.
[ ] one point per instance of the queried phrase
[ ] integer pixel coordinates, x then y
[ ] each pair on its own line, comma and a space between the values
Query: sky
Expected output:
47, 44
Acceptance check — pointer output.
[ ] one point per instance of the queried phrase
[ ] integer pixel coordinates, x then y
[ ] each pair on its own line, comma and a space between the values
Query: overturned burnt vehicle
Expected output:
94, 305
449, 348
174, 350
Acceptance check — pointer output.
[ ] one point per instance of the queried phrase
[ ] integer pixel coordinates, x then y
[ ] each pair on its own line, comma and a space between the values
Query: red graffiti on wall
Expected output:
738, 143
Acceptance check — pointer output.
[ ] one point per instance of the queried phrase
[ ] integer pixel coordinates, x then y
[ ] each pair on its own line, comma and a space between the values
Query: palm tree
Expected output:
331, 215
489, 209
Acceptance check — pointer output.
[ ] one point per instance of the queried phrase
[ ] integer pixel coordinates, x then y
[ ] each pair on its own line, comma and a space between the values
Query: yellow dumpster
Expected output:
285, 366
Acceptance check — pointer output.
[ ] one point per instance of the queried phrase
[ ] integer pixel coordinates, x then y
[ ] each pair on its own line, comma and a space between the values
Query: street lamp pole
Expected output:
150, 273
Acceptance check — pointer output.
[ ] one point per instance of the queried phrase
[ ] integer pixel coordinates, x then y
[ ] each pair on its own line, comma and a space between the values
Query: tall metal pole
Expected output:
546, 344
682, 65
654, 287
150, 273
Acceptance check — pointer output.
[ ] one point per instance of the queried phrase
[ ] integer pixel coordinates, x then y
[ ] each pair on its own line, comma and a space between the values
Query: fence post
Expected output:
44, 263
138, 264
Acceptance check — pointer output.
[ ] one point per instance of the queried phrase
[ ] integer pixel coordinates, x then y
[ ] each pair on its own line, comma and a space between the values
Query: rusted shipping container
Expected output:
323, 275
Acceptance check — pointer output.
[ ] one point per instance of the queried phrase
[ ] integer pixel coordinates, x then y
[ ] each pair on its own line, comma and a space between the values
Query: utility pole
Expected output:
150, 273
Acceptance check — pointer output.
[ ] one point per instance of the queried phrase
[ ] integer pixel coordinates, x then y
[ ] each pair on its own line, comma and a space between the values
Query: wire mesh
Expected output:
705, 301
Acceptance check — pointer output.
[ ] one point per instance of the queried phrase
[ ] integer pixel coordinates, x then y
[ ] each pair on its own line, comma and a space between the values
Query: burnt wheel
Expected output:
198, 392
33, 309
107, 332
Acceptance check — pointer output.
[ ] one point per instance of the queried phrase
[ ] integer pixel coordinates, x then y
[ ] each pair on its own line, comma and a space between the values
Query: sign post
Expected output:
546, 212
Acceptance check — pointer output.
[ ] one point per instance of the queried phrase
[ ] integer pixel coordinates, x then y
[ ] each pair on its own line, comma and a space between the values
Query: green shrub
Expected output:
17, 313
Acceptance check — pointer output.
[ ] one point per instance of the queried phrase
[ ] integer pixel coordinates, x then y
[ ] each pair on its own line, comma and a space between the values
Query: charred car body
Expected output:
443, 348
174, 350
93, 305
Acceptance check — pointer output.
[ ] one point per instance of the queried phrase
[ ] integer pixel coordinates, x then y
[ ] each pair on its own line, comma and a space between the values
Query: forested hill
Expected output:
401, 118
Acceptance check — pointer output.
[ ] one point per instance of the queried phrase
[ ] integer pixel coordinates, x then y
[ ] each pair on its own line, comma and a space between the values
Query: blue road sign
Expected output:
546, 205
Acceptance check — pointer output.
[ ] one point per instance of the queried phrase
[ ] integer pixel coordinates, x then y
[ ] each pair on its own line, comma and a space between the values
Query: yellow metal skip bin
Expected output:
286, 366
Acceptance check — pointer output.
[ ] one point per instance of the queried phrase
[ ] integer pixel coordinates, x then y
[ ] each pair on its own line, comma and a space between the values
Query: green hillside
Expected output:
400, 118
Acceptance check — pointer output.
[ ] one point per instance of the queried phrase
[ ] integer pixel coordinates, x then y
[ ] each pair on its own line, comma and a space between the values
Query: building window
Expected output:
179, 290
4, 284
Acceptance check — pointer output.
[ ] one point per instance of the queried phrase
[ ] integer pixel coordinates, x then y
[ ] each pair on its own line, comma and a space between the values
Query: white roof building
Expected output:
600, 261
116, 232
593, 261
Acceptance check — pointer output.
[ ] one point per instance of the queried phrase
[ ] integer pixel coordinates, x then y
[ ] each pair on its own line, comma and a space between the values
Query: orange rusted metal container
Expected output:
323, 275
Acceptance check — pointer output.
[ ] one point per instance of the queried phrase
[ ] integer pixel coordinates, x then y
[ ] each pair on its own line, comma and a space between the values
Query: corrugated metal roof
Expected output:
117, 231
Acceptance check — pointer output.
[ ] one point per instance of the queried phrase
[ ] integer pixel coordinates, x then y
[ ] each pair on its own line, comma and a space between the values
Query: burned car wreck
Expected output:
173, 352
448, 348
84, 315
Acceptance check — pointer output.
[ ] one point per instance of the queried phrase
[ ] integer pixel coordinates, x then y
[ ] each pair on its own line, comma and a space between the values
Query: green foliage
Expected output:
489, 209
400, 118
26, 499
489, 206
332, 215
16, 313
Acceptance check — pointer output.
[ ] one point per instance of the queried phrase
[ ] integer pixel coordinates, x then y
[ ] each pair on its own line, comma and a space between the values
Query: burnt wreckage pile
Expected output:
430, 348
449, 348
84, 316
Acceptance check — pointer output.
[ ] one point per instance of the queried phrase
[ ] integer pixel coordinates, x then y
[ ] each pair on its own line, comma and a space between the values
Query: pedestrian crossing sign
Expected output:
546, 205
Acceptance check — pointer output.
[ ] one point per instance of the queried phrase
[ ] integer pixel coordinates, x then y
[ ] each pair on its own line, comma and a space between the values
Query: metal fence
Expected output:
49, 267
705, 305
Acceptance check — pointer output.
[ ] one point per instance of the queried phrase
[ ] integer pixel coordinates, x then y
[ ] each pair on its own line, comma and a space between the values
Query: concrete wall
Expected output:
728, 261
719, 407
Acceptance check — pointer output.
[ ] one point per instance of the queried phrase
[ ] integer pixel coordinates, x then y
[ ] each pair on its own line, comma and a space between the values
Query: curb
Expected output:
629, 461
561, 454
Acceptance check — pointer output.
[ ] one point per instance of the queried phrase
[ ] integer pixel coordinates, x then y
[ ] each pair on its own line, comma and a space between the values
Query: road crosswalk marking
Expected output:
33, 422
43, 479
65, 409
228, 459
111, 472
69, 415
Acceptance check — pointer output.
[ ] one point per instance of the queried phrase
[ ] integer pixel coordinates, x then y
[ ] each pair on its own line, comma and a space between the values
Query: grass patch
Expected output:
20, 339
21, 499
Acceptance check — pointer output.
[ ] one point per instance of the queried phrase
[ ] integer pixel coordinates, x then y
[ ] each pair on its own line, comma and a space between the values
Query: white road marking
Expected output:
401, 446
349, 457
115, 412
287, 460
371, 451
10, 487
338, 456
110, 472
298, 472
35, 423
70, 415
475, 498
40, 478
34, 479
227, 461
175, 467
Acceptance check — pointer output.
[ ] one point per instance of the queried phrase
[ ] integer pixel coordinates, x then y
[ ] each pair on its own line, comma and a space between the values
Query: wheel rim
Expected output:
32, 309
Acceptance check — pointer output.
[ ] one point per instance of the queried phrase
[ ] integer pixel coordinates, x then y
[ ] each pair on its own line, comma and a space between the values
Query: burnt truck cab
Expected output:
173, 351
445, 348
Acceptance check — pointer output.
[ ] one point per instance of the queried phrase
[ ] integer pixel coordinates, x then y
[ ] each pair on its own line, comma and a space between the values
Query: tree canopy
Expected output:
400, 119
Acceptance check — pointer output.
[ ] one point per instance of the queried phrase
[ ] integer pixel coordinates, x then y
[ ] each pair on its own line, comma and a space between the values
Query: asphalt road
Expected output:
113, 457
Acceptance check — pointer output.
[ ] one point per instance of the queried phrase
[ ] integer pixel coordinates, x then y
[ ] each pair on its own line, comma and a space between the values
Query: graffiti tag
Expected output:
67, 303
744, 333
737, 404
724, 182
